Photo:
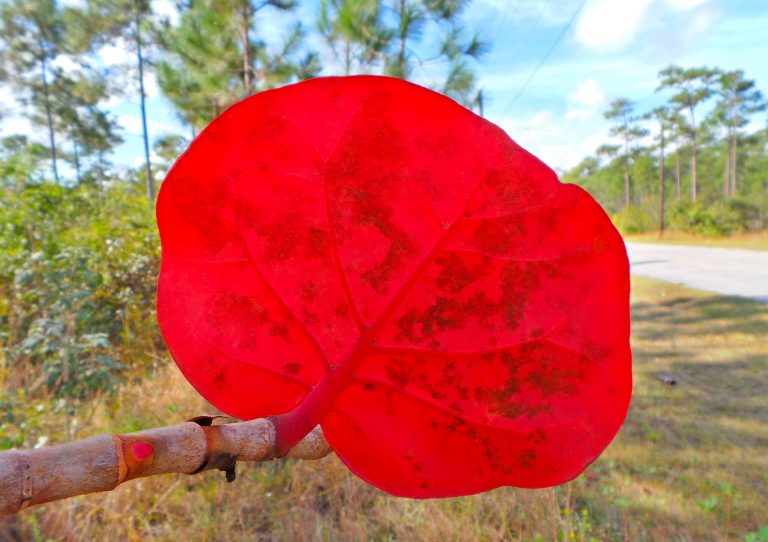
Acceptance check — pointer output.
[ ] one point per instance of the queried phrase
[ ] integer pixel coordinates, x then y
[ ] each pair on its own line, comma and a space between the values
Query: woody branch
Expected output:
101, 463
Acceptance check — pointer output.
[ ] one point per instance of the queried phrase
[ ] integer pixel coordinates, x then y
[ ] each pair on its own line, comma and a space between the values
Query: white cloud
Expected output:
585, 101
151, 86
608, 24
165, 8
539, 121
19, 125
11, 120
543, 12
611, 25
685, 5
559, 142
139, 160
132, 126
116, 53
66, 63
564, 155
7, 99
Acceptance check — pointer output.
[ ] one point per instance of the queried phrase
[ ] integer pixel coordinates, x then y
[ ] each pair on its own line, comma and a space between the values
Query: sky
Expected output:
553, 68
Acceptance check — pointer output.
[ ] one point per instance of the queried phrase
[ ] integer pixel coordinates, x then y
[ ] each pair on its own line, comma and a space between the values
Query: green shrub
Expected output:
78, 268
633, 219
720, 218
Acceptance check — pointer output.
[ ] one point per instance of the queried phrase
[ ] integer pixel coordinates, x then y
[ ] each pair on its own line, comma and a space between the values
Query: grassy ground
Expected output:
753, 241
691, 462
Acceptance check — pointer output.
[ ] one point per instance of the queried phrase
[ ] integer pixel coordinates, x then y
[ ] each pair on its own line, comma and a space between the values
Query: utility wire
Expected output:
546, 55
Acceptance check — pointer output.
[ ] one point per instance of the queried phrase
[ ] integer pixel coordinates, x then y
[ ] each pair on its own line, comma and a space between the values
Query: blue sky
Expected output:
613, 48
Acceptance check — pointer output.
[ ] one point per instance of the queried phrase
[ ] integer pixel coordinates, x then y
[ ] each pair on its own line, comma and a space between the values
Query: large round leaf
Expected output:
366, 254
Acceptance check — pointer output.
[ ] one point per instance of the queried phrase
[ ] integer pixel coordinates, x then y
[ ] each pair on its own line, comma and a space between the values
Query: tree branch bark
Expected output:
101, 463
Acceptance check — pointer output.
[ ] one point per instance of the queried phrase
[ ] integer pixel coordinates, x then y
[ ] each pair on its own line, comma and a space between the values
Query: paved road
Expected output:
728, 271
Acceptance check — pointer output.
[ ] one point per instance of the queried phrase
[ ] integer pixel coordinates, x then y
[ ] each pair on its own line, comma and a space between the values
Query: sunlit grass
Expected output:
661, 479
752, 241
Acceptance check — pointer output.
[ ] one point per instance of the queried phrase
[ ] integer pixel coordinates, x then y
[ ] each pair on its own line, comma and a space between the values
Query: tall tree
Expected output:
675, 136
460, 80
215, 59
32, 32
356, 32
665, 118
102, 22
78, 117
692, 86
738, 100
628, 129
411, 18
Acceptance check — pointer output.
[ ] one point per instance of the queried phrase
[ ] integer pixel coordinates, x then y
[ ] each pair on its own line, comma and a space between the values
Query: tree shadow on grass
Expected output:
700, 316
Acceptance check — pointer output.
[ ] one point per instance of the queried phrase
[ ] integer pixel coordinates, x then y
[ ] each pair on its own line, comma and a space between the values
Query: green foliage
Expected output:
707, 505
761, 535
77, 269
213, 57
355, 32
20, 161
633, 219
713, 174
371, 36
33, 35
719, 218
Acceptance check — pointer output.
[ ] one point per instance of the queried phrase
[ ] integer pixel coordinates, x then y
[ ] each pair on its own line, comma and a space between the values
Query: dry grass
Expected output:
661, 479
753, 241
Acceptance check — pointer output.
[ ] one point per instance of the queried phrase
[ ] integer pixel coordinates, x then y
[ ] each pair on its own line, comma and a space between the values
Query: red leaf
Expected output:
366, 254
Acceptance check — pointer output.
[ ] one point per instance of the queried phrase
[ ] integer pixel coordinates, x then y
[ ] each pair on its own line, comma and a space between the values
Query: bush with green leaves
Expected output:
719, 218
633, 219
78, 266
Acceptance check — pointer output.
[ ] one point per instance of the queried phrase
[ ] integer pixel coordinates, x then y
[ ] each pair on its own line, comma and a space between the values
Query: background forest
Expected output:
80, 351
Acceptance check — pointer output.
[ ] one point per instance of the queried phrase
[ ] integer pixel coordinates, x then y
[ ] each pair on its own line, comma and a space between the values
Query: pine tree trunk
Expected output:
661, 184
626, 186
480, 103
693, 158
727, 169
734, 159
677, 174
403, 34
347, 58
77, 161
626, 167
733, 136
246, 49
49, 120
143, 96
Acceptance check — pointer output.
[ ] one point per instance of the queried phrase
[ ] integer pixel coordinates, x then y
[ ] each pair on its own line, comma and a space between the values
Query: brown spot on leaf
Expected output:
292, 367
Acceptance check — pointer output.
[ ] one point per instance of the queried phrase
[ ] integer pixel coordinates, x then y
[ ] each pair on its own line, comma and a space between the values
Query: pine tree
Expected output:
78, 117
665, 118
693, 86
356, 32
32, 34
627, 128
102, 22
412, 17
214, 58
738, 100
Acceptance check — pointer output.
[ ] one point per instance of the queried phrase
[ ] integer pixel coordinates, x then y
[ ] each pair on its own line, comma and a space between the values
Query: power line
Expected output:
546, 55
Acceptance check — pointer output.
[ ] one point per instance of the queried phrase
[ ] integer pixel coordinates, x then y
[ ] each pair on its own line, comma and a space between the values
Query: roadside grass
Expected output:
690, 463
752, 241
